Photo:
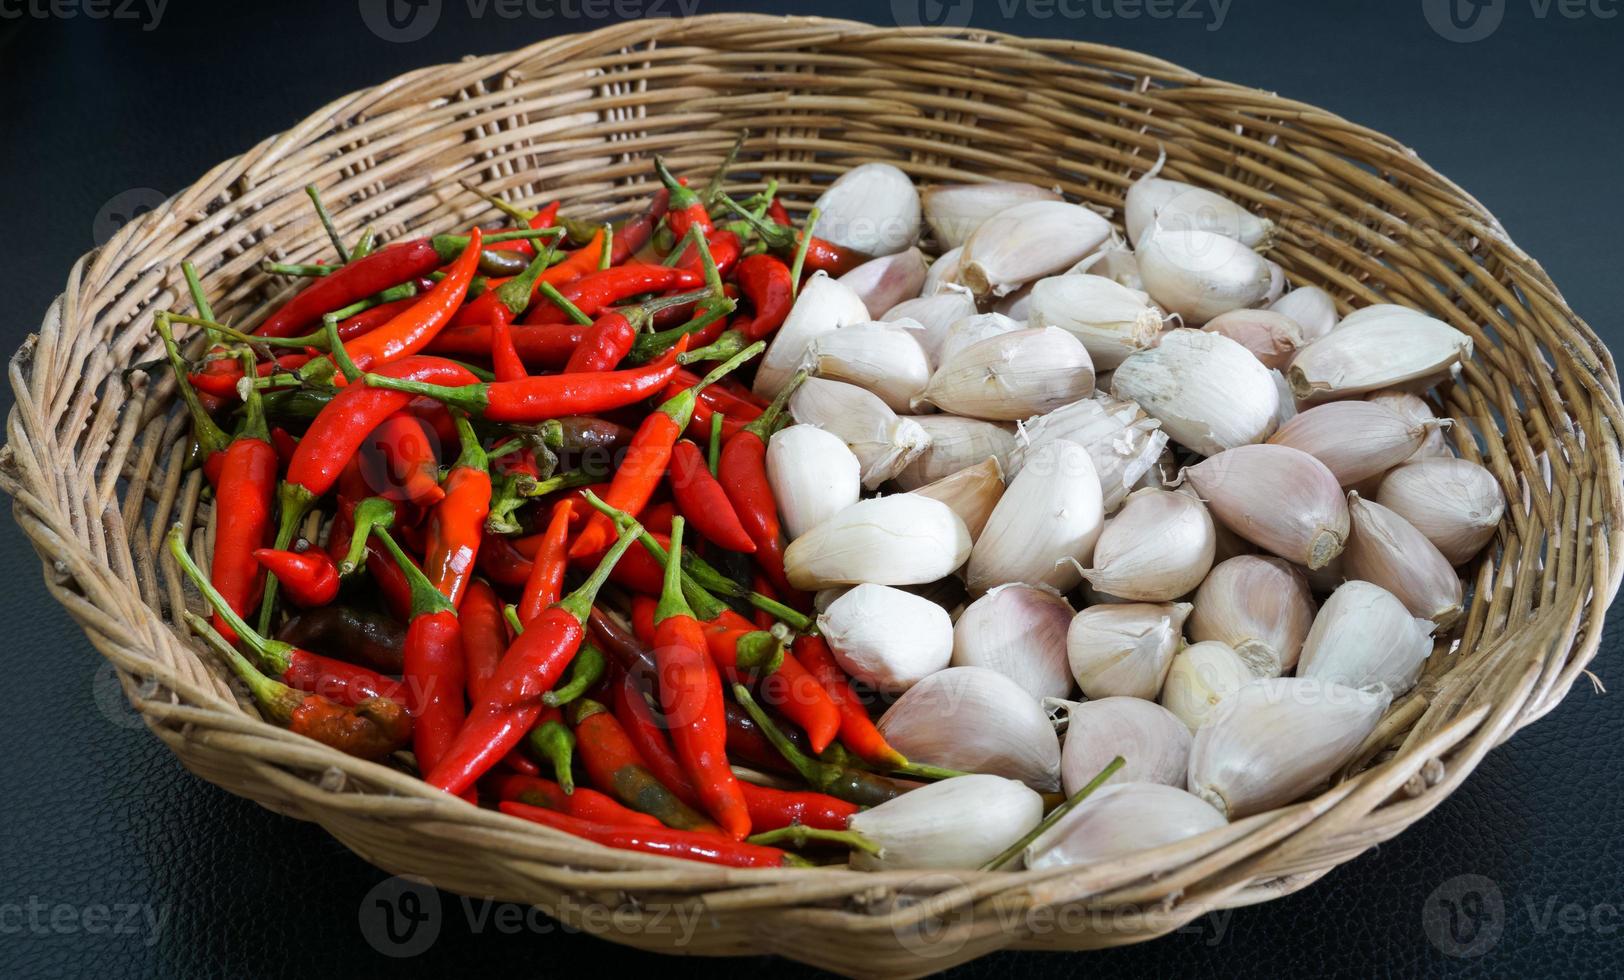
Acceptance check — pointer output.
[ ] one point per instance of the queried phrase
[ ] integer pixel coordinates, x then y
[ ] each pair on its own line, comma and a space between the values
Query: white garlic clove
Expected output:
1287, 409
935, 313
1364, 637
903, 539
1121, 819
962, 822
1158, 204
888, 280
1199, 274
955, 211
1154, 745
1418, 412
1027, 242
1209, 392
973, 329
1114, 261
823, 305
1273, 338
943, 274
1277, 283
1279, 498
883, 358
1377, 347
1311, 307
813, 475
976, 720
1122, 441
1356, 440
873, 208
887, 638
1386, 549
971, 493
883, 442
1111, 320
1200, 678
1157, 548
1124, 649
1019, 631
1260, 607
1013, 375
1456, 503
1044, 524
955, 443
1273, 740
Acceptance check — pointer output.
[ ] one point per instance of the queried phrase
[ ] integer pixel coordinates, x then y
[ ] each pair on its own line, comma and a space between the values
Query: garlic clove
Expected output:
935, 313
1364, 637
943, 274
971, 330
1154, 745
1200, 678
1155, 204
1124, 650
883, 358
954, 444
1114, 261
1209, 392
1387, 550
1356, 440
1019, 631
1418, 412
1027, 242
1013, 375
1311, 307
872, 208
1279, 498
1273, 338
883, 442
1111, 320
976, 720
1260, 607
1287, 409
1199, 274
813, 476
1121, 819
962, 822
888, 280
971, 493
1157, 548
1377, 347
823, 305
903, 539
1273, 740
1456, 503
955, 211
1122, 441
1044, 524
887, 638
1277, 284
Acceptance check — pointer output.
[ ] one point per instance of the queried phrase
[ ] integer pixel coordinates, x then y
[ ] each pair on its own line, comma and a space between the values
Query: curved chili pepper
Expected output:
546, 346
596, 291
484, 636
665, 842
308, 577
434, 670
615, 766
771, 809
857, 731
386, 267
369, 320
604, 345
587, 804
630, 234
685, 208
552, 740
647, 734
742, 472
703, 501
546, 581
725, 249
586, 670
766, 282
505, 300
575, 265
412, 329
400, 462
219, 377
244, 491
372, 639
512, 698
456, 526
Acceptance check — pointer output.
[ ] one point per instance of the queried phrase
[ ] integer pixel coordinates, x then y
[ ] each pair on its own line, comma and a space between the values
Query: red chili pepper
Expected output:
742, 472
546, 582
457, 524
821, 255
412, 329
309, 578
587, 804
615, 766
357, 280
778, 213
367, 321
657, 519
399, 461
219, 377
668, 843
484, 636
596, 291
686, 210
433, 662
725, 248
771, 809
547, 346
502, 563
703, 501
577, 264
631, 234
244, 491
512, 698
857, 730
766, 282
508, 298
604, 345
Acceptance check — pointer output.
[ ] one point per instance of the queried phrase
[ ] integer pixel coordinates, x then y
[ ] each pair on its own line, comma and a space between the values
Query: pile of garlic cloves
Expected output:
1215, 522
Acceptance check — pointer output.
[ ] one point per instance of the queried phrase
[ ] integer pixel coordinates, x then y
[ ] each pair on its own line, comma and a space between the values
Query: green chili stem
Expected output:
1054, 816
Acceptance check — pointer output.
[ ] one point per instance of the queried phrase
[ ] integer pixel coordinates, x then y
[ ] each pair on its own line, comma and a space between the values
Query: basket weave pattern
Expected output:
94, 460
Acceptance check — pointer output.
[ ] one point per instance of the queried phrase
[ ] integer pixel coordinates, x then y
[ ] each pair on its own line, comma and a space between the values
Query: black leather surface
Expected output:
115, 862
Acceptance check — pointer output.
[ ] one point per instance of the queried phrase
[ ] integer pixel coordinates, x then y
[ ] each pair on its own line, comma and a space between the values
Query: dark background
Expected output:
101, 118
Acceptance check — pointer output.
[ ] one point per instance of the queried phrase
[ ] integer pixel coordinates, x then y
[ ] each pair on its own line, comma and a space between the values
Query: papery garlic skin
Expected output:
1111, 320
823, 305
1121, 819
962, 822
1386, 549
1456, 503
1260, 607
1020, 632
1122, 441
1273, 338
1377, 347
1046, 521
872, 208
1311, 307
813, 476
1199, 274
935, 313
1157, 548
1154, 745
1125, 649
888, 280
883, 442
1414, 408
971, 493
955, 211
1356, 440
1013, 375
1201, 676
1027, 242
1280, 499
955, 443
1364, 637
887, 638
1274, 740
902, 539
975, 720
1209, 392
1161, 204
883, 358
973, 329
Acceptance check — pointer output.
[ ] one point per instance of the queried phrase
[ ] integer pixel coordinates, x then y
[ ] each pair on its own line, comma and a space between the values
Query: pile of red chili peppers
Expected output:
480, 513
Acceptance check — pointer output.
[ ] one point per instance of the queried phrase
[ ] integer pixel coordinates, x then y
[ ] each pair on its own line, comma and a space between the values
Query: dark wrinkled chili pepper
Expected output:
372, 639
435, 674
309, 578
584, 434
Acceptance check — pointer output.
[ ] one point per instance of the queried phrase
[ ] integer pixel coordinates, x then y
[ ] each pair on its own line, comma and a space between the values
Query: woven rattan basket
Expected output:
94, 458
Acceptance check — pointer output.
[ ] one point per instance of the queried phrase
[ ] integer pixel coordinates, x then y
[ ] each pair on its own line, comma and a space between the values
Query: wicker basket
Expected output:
94, 460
